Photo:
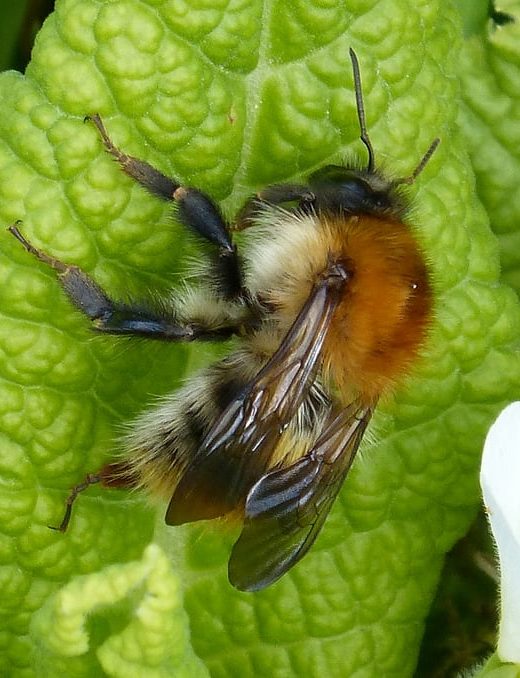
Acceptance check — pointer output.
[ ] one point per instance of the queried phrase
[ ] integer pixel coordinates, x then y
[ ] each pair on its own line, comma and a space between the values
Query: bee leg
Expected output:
111, 475
114, 317
277, 194
196, 211
90, 479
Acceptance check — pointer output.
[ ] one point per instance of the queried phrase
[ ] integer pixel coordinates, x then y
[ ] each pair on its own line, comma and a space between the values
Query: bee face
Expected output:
330, 301
348, 191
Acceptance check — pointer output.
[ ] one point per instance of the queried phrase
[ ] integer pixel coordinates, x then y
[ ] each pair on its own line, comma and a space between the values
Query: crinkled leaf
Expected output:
146, 621
490, 77
228, 96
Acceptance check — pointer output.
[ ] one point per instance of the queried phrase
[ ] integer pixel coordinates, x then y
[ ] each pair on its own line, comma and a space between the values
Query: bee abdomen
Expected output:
163, 440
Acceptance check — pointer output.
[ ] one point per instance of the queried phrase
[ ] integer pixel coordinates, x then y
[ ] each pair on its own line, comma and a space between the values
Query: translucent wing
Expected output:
285, 510
238, 448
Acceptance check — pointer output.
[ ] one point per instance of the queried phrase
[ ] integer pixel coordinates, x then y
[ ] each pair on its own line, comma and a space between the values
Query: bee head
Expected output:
353, 191
348, 190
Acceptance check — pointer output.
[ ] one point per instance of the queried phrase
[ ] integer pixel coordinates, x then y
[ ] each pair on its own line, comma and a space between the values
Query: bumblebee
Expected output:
330, 301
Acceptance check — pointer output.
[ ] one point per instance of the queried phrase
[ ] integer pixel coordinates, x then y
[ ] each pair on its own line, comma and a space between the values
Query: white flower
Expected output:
500, 481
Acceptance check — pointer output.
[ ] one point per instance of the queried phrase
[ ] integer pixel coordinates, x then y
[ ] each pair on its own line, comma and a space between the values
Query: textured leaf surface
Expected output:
490, 76
147, 622
228, 96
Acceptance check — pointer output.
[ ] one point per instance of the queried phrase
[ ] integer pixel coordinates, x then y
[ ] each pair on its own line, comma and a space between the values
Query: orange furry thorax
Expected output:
382, 319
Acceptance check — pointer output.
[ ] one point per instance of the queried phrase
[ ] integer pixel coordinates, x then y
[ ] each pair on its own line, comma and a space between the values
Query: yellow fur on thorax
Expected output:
286, 255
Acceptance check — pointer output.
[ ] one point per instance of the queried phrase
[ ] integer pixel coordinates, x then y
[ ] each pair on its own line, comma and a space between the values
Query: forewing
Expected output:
286, 509
240, 445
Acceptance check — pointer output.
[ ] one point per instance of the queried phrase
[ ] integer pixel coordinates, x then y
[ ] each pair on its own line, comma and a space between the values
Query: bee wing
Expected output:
285, 510
238, 448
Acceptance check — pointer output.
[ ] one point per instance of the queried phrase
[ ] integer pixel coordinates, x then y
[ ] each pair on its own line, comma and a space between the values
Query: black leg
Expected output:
113, 317
277, 194
196, 211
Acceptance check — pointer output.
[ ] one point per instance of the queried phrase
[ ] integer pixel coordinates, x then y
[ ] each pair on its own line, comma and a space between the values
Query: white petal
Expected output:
500, 481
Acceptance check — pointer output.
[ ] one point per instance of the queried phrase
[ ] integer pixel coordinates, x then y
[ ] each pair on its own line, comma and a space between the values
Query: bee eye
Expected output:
352, 195
359, 190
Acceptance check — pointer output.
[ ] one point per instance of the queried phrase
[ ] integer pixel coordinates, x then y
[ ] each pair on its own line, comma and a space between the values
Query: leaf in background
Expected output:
490, 76
462, 623
229, 97
11, 19
148, 635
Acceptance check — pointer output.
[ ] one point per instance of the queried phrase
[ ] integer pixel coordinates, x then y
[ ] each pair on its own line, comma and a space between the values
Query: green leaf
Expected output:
494, 668
490, 77
229, 96
153, 639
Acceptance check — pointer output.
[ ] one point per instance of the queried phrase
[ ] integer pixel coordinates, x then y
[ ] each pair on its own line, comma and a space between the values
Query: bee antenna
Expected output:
422, 164
361, 110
